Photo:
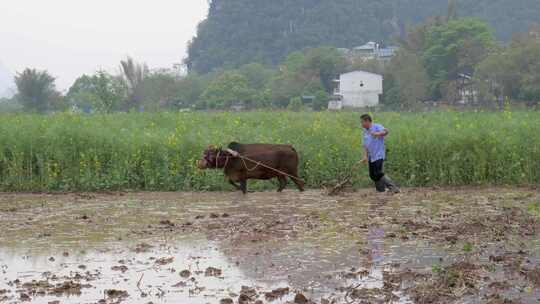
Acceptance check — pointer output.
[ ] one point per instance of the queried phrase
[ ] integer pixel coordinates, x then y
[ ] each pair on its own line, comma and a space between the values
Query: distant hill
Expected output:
243, 31
6, 81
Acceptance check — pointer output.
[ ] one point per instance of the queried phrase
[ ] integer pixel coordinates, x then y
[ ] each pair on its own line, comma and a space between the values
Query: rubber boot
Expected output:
380, 185
388, 183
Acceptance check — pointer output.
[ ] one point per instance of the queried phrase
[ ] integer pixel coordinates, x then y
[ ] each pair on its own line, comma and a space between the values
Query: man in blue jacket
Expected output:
375, 154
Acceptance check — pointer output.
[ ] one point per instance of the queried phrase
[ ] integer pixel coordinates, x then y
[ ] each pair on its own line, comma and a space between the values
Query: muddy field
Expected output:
421, 246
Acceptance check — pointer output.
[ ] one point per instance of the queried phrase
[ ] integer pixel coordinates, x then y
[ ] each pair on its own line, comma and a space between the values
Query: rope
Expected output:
245, 165
258, 163
217, 160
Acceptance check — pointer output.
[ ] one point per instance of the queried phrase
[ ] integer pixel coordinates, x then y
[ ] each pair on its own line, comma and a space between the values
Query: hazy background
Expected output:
72, 37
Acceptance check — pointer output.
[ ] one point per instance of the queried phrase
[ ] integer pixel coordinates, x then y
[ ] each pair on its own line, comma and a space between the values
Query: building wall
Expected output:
357, 96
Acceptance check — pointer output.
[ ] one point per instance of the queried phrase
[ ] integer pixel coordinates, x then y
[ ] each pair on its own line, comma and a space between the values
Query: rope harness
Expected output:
218, 157
235, 154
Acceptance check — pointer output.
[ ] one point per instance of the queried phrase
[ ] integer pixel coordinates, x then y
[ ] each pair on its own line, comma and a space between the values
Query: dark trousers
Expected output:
376, 170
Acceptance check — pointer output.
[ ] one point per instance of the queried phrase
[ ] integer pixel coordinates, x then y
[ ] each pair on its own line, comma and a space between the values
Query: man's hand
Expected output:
382, 133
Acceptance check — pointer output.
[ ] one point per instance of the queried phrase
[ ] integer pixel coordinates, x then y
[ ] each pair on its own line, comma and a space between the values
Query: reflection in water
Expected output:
308, 242
140, 274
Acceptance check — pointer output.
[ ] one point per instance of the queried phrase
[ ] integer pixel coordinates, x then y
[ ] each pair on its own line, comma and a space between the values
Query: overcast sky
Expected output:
72, 37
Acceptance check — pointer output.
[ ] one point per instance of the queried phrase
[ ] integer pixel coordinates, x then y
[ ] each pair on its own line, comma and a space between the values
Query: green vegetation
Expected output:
36, 90
448, 60
432, 58
101, 91
512, 71
237, 32
158, 151
468, 247
534, 208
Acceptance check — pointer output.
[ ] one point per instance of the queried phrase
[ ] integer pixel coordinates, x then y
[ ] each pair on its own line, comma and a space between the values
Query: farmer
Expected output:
375, 154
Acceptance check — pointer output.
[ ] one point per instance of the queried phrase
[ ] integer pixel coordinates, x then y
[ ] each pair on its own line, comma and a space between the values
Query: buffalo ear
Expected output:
211, 147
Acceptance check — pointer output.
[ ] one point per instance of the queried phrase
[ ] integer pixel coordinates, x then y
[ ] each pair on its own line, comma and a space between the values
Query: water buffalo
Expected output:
241, 162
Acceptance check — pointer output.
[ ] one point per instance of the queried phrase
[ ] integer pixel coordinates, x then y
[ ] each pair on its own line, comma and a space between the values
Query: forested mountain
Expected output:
244, 31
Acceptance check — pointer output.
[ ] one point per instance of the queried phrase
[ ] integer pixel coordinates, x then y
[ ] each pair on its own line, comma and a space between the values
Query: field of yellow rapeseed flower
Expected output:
157, 151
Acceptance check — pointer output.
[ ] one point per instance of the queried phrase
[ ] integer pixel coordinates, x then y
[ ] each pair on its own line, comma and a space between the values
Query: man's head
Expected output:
366, 121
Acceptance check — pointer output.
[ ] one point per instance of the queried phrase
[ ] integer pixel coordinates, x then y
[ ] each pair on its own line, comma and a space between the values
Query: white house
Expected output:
372, 50
357, 89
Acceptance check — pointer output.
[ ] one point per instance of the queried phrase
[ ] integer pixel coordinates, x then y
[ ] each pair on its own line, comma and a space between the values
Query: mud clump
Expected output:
121, 268
85, 196
24, 297
354, 274
498, 299
510, 260
142, 247
167, 223
300, 299
185, 273
366, 295
179, 284
68, 288
448, 283
116, 294
247, 295
164, 261
533, 276
44, 287
37, 287
212, 272
226, 301
276, 294
83, 217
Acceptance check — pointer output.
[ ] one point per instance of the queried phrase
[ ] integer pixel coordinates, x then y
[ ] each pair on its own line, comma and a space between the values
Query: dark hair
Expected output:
366, 117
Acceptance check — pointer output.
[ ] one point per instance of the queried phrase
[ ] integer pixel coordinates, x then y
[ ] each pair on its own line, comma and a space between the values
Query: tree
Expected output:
408, 81
512, 72
160, 89
306, 73
295, 104
190, 89
321, 100
228, 89
375, 66
8, 105
101, 91
453, 48
36, 90
256, 74
133, 74
326, 62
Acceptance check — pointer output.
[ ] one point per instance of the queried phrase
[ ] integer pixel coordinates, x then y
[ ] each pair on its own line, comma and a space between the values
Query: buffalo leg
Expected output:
282, 183
299, 184
235, 185
243, 186
297, 181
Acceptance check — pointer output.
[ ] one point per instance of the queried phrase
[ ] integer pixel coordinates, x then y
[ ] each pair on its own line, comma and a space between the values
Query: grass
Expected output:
157, 151
534, 208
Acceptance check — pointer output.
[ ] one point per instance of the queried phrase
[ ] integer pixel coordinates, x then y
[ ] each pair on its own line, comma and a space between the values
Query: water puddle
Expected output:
190, 271
226, 248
